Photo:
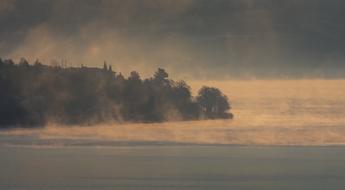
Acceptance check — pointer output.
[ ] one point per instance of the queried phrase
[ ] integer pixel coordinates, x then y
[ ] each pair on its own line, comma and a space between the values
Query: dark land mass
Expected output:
34, 94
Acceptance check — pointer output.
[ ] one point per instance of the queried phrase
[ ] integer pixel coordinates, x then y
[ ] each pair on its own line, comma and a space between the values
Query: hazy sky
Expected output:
210, 39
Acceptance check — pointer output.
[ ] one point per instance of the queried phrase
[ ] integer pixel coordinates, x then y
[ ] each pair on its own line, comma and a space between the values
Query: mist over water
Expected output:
267, 112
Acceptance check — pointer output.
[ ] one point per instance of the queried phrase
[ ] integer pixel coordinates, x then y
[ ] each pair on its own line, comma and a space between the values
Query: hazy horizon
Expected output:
192, 39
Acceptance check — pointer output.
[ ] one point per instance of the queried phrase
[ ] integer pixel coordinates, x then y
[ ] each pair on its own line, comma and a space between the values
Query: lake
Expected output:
287, 134
172, 167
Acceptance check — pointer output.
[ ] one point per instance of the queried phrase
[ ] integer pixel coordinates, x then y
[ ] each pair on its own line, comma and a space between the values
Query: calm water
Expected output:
173, 167
307, 115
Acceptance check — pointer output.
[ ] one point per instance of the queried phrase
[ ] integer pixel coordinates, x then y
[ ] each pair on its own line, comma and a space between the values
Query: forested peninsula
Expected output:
33, 95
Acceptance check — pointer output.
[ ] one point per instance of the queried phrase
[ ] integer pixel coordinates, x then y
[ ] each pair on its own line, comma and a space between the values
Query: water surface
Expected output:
286, 135
173, 167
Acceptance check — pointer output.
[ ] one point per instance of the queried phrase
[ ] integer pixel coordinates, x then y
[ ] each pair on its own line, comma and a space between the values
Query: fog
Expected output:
192, 39
201, 41
267, 112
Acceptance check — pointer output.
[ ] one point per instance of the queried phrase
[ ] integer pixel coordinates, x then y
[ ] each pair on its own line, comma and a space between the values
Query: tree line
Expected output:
36, 94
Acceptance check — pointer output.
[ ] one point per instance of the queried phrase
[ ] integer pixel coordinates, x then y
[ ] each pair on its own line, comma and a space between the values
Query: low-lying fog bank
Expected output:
286, 112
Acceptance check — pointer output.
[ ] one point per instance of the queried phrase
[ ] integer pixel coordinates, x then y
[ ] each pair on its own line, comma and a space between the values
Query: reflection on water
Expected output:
271, 112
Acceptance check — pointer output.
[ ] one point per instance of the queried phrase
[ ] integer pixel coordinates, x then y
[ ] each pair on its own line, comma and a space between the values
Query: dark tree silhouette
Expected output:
213, 103
32, 95
160, 75
134, 76
23, 62
105, 66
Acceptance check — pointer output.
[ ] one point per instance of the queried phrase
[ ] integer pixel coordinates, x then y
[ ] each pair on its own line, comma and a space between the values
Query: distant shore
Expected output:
37, 94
